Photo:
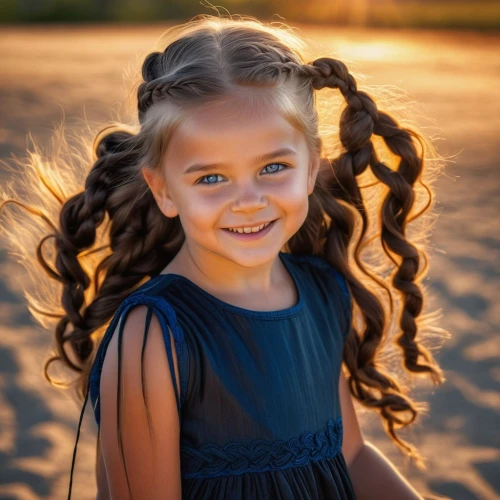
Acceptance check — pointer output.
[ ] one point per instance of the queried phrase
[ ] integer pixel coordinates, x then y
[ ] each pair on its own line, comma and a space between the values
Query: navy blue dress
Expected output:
258, 405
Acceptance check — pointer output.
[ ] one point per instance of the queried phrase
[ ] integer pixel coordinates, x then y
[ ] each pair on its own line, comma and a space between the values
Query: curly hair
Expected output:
352, 209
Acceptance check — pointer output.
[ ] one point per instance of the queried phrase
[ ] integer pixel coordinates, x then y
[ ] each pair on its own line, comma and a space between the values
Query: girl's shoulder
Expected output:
148, 294
326, 287
321, 267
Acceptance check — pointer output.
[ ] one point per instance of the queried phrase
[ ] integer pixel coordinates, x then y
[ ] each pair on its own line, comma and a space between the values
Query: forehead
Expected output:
231, 131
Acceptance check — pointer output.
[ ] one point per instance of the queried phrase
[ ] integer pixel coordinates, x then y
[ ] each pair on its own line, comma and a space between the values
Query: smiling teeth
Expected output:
254, 229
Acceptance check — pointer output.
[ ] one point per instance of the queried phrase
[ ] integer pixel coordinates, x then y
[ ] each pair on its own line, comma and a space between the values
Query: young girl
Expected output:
234, 284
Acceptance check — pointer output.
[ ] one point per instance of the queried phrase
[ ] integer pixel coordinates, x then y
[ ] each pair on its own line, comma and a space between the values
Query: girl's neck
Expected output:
264, 287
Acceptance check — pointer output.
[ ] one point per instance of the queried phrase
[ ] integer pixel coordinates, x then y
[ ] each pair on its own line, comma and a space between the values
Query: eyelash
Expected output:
199, 181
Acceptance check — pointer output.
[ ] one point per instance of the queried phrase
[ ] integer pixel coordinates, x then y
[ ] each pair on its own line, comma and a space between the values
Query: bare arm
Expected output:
372, 474
151, 461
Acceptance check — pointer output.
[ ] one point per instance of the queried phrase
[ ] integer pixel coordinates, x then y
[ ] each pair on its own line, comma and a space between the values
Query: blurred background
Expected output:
68, 60
481, 14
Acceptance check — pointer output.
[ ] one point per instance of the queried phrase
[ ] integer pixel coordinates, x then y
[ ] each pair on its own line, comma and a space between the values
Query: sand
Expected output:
454, 77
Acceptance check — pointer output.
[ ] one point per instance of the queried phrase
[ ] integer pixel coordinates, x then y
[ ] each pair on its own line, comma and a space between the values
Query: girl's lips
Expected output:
251, 236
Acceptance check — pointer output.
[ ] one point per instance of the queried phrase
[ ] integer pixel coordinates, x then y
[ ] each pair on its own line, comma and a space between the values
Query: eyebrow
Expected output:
198, 167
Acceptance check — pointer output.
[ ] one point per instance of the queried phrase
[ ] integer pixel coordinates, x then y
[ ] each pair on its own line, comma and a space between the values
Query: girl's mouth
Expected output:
249, 236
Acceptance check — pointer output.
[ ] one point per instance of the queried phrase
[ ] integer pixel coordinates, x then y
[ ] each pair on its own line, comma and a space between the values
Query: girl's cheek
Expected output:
293, 193
202, 208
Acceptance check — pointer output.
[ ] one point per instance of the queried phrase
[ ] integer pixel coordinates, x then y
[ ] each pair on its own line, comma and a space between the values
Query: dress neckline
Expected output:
280, 313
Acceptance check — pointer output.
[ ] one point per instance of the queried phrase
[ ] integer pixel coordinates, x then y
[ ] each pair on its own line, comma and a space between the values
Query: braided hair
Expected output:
358, 122
203, 62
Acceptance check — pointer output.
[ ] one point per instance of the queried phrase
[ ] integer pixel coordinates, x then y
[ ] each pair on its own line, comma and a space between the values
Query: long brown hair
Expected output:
111, 236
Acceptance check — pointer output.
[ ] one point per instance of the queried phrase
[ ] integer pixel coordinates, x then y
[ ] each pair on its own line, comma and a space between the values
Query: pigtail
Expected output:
110, 237
359, 121
79, 219
141, 239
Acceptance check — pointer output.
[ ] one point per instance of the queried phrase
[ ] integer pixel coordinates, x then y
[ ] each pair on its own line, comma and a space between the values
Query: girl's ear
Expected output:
160, 191
313, 173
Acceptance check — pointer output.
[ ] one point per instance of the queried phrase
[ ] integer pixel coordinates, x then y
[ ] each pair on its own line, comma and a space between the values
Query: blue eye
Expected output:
211, 179
275, 164
211, 176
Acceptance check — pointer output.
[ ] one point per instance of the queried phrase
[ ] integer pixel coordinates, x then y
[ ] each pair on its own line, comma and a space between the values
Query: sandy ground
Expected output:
455, 78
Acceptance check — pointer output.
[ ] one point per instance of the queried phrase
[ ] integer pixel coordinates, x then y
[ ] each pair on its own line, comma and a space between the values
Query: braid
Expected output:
79, 218
358, 122
181, 84
356, 128
149, 88
141, 239
395, 209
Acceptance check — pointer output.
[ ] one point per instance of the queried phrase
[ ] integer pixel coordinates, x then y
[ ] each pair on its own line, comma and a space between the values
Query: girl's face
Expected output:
228, 167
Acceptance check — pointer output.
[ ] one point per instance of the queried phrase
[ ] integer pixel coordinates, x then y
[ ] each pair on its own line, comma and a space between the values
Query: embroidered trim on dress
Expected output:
212, 460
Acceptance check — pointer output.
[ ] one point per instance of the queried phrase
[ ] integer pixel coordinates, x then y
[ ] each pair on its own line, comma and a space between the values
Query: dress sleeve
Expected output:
338, 285
137, 387
346, 301
159, 308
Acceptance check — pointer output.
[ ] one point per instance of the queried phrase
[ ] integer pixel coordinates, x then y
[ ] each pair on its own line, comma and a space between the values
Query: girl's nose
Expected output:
249, 197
